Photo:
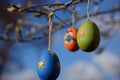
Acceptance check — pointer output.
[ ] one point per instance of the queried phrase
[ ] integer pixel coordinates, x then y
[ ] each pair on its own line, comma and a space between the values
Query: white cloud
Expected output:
83, 71
107, 64
110, 63
24, 75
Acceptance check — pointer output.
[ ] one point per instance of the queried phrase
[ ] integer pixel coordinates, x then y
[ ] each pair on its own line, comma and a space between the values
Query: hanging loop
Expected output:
88, 10
73, 16
50, 29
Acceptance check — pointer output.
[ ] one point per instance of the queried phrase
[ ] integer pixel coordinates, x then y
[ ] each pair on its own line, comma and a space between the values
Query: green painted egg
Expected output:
88, 36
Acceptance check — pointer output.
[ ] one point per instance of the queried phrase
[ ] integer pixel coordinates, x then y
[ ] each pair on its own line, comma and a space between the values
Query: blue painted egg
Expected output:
48, 66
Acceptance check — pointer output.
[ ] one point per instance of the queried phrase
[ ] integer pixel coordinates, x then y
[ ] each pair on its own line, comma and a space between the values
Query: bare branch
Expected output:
59, 27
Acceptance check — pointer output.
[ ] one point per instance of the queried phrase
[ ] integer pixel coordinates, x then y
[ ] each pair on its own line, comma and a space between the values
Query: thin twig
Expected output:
61, 20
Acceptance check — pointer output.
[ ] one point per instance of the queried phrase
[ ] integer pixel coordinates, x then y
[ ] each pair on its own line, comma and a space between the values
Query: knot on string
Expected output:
50, 14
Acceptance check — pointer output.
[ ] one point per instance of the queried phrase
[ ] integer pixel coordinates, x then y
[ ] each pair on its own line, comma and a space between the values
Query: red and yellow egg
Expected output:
70, 39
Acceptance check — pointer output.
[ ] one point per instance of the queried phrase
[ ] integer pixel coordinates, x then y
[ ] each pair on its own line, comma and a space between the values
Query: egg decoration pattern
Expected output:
70, 39
48, 66
88, 36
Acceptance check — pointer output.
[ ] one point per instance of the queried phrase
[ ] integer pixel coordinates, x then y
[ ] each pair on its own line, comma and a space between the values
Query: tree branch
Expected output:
56, 23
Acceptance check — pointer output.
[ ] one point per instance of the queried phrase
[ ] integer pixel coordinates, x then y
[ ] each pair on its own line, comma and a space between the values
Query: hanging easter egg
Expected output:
88, 36
48, 66
70, 39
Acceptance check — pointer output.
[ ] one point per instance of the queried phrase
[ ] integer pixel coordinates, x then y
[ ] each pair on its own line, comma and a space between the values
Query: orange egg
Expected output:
70, 39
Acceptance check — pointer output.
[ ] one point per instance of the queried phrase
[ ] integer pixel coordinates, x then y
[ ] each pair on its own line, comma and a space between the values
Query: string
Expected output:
50, 30
73, 16
88, 10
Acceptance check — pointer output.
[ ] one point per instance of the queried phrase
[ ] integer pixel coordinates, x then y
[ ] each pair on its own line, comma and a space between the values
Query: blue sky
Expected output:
28, 53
